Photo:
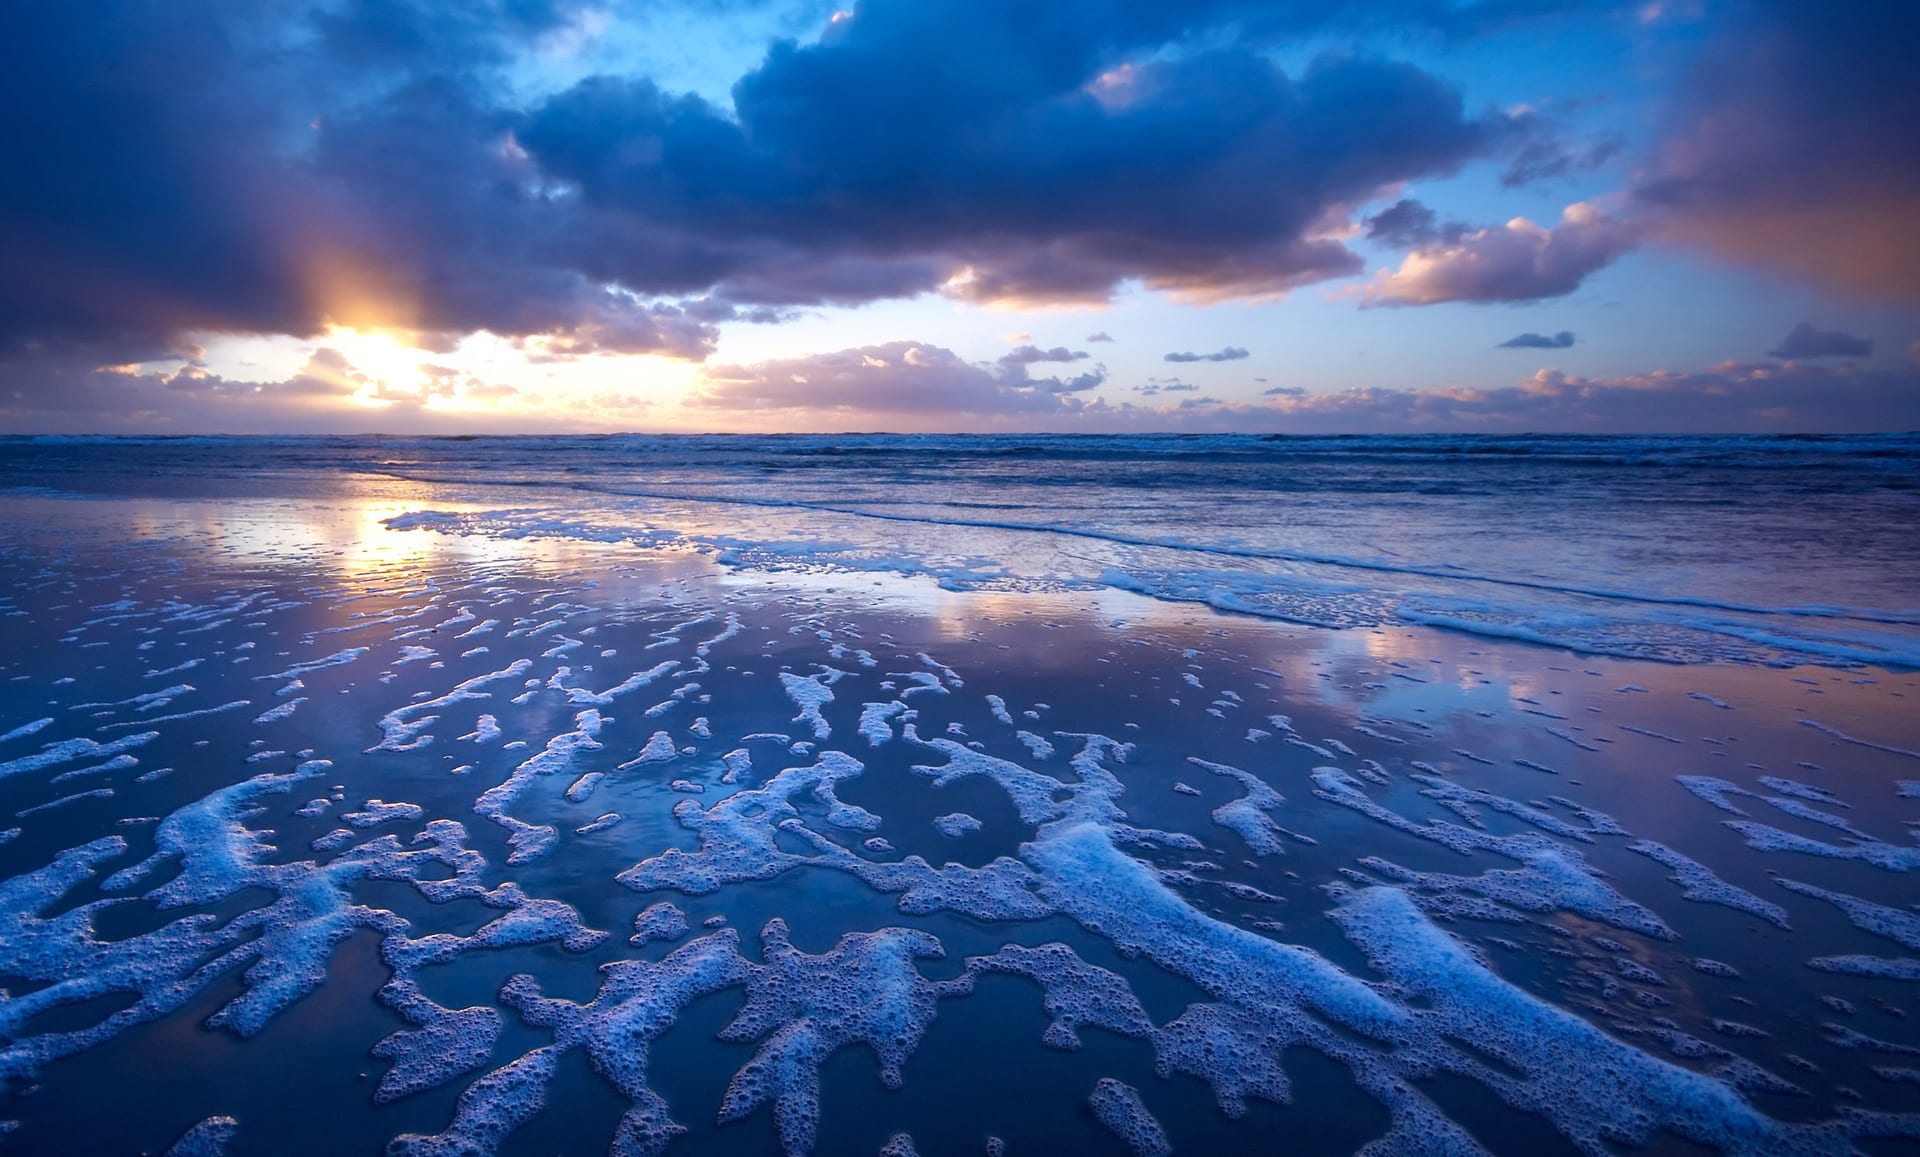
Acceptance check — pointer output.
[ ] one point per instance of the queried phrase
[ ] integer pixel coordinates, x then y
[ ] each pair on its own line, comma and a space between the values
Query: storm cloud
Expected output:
239, 168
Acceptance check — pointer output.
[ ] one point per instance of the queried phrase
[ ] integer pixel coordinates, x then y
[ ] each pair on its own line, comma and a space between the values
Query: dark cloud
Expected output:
1791, 144
1027, 355
1164, 386
1518, 261
1407, 224
1004, 159
1099, 336
1804, 341
1013, 369
1730, 398
1550, 157
1230, 354
276, 168
1538, 341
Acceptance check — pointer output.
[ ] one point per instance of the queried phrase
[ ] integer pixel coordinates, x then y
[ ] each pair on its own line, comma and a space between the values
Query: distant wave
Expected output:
1685, 548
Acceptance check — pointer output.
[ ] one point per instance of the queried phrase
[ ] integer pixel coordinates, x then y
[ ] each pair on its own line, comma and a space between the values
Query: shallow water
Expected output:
1683, 549
1387, 884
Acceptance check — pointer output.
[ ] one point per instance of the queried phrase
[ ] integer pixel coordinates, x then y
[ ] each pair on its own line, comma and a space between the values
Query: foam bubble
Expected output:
1076, 993
660, 748
873, 721
379, 812
1699, 883
209, 1138
802, 1008
401, 728
26, 729
1764, 838
810, 693
1897, 924
956, 824
1248, 814
530, 841
490, 1108
1040, 748
1118, 1106
1553, 878
68, 750
1593, 1087
661, 921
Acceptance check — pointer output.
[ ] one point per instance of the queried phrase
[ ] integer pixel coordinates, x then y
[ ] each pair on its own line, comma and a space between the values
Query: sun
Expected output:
391, 366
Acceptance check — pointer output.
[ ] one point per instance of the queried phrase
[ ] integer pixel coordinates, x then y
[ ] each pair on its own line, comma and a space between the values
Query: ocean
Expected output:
939, 794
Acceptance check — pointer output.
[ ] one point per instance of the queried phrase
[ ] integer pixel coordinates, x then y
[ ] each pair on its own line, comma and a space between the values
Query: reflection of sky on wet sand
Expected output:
1152, 673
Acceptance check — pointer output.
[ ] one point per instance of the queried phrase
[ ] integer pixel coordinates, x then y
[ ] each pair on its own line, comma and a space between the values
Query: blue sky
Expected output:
551, 215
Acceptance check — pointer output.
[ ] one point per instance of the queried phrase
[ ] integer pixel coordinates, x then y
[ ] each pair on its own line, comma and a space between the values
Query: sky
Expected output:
550, 216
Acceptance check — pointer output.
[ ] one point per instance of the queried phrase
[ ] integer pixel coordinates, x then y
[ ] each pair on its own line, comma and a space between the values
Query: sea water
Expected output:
959, 795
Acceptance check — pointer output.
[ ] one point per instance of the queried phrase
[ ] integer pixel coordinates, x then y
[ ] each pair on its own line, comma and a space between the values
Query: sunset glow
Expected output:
601, 219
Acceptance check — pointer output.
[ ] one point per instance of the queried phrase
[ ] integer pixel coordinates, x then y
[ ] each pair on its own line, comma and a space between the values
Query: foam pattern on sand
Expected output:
1076, 993
1117, 1105
1248, 815
921, 809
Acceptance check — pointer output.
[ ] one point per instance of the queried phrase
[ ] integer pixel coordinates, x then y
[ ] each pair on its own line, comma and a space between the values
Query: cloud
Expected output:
1551, 157
1804, 341
908, 385
1791, 145
920, 386
1230, 354
277, 169
1732, 397
329, 394
1027, 355
1013, 369
1100, 336
1538, 341
274, 169
1407, 224
1518, 261
878, 383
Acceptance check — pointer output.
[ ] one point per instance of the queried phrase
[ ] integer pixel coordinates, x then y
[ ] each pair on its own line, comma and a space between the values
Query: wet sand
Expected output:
1525, 802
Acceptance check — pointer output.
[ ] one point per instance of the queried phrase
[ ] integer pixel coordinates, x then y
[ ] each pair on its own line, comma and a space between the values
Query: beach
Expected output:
738, 795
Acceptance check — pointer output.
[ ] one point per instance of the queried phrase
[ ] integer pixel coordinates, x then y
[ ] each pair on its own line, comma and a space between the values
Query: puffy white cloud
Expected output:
1518, 261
